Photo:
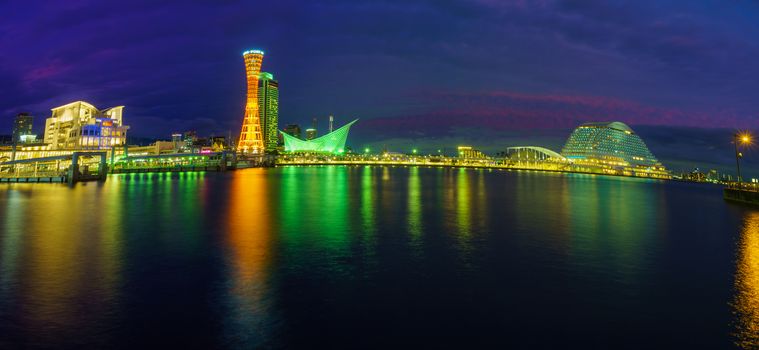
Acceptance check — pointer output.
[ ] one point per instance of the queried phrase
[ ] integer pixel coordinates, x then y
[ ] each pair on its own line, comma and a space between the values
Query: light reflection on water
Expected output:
249, 229
746, 301
370, 256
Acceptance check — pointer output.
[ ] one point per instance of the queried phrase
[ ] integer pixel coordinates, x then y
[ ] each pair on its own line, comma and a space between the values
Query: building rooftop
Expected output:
612, 125
74, 103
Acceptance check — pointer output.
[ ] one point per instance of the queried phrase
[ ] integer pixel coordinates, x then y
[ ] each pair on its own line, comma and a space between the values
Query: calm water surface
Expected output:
362, 257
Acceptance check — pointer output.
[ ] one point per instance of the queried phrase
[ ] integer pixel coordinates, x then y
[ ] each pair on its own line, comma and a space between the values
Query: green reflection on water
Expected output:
291, 212
611, 220
315, 205
463, 201
414, 203
591, 221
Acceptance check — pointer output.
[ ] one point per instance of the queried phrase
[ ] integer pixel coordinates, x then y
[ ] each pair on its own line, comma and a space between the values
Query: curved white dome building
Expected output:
611, 148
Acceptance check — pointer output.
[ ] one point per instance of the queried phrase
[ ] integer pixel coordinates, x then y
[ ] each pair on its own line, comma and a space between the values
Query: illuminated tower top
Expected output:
253, 52
251, 137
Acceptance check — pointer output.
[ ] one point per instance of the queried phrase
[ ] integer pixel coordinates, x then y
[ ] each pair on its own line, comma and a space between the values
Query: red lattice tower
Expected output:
251, 137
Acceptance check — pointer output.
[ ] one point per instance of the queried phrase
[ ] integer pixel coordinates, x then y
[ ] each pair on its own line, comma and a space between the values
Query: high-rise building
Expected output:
176, 140
79, 125
251, 135
22, 126
292, 130
612, 148
188, 140
311, 134
268, 102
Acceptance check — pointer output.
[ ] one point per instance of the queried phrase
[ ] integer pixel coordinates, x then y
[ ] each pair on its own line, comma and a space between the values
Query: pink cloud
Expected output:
44, 72
509, 110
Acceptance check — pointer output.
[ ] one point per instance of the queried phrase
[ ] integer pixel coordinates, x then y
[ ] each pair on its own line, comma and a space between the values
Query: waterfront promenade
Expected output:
455, 162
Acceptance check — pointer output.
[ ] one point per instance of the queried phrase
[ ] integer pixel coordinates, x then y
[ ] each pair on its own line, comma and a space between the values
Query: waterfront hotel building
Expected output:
611, 148
79, 125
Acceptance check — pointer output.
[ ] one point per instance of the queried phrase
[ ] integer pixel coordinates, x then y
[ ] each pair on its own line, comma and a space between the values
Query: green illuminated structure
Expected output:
268, 109
333, 142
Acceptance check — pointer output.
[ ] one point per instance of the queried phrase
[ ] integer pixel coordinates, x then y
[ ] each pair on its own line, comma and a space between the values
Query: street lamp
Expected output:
743, 138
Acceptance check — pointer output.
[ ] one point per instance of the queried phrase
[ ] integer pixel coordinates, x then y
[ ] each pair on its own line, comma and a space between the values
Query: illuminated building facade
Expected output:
333, 142
79, 125
22, 127
251, 135
467, 152
534, 157
268, 102
611, 148
188, 140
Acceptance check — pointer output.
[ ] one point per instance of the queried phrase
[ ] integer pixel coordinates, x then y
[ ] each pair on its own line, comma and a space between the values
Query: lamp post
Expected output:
745, 139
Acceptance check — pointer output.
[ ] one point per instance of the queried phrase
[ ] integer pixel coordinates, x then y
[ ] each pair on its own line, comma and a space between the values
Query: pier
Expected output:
80, 166
69, 168
176, 162
746, 193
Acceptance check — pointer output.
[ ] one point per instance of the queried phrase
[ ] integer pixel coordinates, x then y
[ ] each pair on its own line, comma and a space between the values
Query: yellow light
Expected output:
744, 138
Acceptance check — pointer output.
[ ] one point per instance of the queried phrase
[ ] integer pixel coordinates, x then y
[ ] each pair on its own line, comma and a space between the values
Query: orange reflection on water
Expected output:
249, 238
71, 267
746, 302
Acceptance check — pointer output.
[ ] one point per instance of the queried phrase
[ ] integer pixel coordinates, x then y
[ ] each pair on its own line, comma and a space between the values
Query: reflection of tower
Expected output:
251, 138
331, 120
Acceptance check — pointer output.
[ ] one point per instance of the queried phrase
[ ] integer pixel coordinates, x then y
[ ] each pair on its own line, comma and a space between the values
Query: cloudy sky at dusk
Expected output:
426, 72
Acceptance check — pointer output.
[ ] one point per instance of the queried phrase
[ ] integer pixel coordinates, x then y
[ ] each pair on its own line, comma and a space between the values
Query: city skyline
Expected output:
663, 73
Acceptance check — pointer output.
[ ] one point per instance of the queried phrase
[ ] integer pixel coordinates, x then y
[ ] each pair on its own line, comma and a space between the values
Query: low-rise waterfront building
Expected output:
467, 152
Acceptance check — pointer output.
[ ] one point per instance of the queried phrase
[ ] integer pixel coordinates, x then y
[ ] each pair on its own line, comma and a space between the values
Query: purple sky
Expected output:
428, 69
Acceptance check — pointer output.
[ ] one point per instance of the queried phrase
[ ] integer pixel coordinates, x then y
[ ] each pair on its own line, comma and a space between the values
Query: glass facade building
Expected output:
268, 102
611, 148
